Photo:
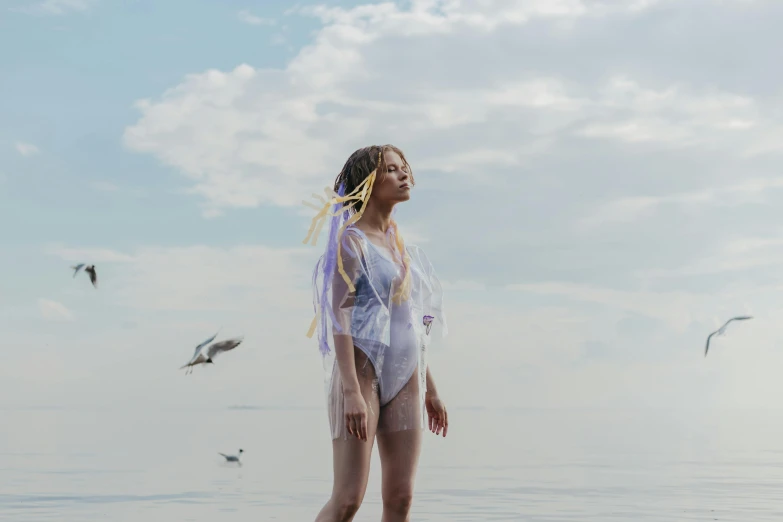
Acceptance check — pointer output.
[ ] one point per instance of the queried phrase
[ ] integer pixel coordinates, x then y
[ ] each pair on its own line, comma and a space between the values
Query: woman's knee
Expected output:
347, 504
398, 499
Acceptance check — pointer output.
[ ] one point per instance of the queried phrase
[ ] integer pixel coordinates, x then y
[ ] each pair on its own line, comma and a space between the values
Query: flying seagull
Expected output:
722, 330
90, 269
204, 354
233, 458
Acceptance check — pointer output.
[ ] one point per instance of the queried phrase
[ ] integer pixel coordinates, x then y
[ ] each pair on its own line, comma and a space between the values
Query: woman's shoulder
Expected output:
354, 235
353, 243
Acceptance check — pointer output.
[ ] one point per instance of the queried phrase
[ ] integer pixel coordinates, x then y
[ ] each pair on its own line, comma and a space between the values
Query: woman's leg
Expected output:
351, 456
399, 445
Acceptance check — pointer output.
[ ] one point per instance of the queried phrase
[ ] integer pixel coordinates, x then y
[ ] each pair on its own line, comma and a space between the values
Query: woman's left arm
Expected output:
436, 410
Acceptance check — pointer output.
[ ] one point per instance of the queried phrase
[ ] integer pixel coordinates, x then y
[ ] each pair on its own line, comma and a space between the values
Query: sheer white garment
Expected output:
392, 337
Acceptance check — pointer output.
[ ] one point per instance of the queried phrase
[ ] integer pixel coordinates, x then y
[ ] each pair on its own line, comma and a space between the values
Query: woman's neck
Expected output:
376, 218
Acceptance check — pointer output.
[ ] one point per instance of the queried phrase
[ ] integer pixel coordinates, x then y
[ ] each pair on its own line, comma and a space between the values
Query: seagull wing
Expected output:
707, 347
202, 345
77, 268
93, 276
223, 346
738, 318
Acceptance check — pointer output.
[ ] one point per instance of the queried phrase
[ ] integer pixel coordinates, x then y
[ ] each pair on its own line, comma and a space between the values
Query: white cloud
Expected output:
249, 18
199, 277
453, 15
628, 209
677, 309
256, 278
55, 7
253, 136
26, 149
736, 255
673, 115
53, 310
520, 118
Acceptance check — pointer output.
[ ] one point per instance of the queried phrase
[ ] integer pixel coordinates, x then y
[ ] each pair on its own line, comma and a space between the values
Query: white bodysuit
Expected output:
391, 335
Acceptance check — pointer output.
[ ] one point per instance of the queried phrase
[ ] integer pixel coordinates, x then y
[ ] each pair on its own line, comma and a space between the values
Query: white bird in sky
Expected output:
204, 354
722, 330
198, 349
233, 458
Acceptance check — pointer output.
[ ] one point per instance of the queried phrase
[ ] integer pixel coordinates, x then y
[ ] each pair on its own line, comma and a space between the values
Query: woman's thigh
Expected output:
351, 455
399, 434
404, 411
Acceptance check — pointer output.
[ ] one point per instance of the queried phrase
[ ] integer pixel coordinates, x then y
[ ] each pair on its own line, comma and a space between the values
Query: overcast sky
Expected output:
598, 186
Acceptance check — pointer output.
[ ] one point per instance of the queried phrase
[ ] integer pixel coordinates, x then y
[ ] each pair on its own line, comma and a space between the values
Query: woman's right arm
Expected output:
343, 300
354, 405
343, 350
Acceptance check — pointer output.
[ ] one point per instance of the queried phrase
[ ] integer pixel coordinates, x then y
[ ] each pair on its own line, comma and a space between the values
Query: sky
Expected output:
597, 186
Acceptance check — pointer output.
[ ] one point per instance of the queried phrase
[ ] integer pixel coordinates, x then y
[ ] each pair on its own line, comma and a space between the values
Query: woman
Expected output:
376, 301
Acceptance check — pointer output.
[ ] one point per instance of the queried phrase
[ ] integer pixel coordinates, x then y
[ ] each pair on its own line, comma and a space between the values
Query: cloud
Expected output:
249, 18
53, 310
674, 115
255, 278
267, 136
636, 207
54, 7
26, 149
735, 256
677, 309
200, 277
580, 152
531, 127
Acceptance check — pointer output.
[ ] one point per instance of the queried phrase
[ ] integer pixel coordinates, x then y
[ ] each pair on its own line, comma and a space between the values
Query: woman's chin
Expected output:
405, 195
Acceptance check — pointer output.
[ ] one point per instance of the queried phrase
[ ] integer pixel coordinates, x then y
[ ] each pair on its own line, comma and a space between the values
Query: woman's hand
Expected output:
356, 414
436, 411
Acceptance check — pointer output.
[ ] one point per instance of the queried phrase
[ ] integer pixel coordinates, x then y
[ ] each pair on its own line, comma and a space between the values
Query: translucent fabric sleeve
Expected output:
333, 297
343, 298
427, 292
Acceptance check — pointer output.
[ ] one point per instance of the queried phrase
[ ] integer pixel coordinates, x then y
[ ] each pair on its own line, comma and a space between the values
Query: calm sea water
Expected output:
556, 465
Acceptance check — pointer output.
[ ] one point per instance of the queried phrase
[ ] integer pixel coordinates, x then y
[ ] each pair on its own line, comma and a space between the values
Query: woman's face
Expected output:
396, 184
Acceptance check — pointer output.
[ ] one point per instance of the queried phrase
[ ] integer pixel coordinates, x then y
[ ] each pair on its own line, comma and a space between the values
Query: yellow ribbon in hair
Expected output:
323, 211
313, 323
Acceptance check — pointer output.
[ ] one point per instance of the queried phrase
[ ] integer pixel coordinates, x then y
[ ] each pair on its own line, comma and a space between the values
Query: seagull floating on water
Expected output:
90, 269
233, 458
204, 354
722, 330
